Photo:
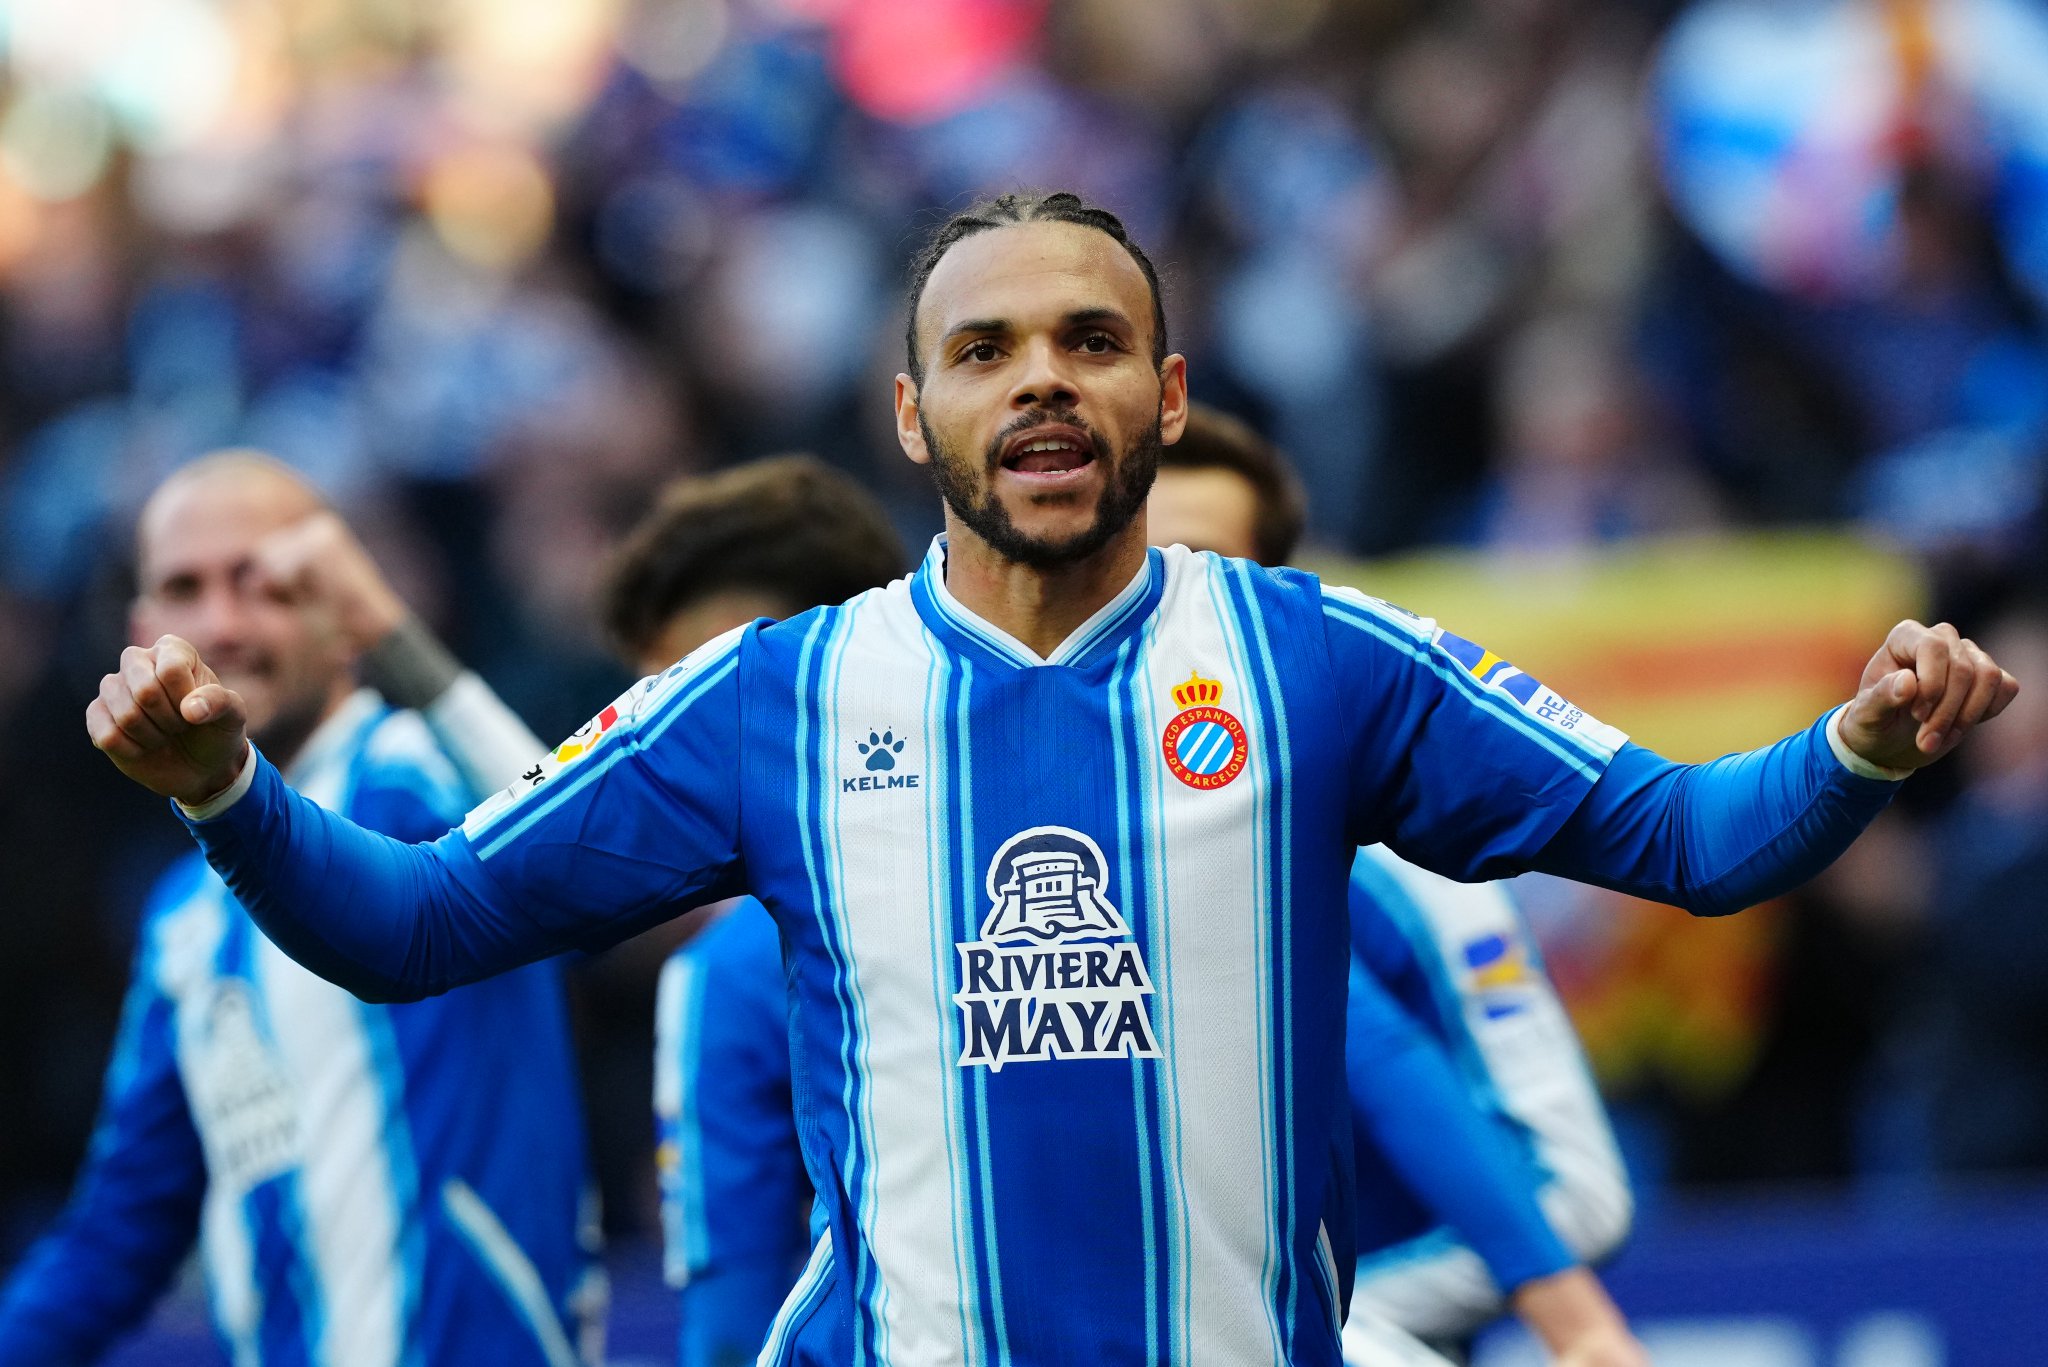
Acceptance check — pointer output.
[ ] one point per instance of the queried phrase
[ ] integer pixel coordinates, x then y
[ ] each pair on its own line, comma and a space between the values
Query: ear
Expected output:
1173, 398
908, 434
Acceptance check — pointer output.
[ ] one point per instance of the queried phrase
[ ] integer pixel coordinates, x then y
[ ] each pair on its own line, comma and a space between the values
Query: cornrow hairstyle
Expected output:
1024, 206
1214, 440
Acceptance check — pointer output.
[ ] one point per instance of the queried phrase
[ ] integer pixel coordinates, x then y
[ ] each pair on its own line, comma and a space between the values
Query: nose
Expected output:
1043, 380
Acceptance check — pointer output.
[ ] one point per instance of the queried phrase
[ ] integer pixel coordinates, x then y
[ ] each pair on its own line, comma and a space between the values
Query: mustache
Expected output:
1044, 417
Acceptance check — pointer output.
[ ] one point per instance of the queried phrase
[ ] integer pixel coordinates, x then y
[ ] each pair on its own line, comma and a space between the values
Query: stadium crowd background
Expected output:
1523, 283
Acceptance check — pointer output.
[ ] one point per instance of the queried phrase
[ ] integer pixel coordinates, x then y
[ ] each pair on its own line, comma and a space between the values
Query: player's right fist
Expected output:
168, 723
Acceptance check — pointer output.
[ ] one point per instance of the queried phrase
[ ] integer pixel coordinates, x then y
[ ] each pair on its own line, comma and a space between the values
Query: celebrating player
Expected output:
1067, 969
1449, 1226
369, 1184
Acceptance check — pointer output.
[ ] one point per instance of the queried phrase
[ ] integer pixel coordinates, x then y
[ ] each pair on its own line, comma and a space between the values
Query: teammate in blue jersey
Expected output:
1068, 977
768, 539
1449, 1224
368, 1184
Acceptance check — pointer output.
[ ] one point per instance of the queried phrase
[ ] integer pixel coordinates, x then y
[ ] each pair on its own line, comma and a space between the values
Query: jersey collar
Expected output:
1095, 638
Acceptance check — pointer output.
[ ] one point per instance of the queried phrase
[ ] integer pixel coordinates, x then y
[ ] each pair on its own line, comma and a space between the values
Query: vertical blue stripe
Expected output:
1279, 742
981, 1180
405, 1174
1130, 740
941, 876
811, 775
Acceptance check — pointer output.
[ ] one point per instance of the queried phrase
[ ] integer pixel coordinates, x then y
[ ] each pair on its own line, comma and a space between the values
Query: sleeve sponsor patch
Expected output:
1528, 693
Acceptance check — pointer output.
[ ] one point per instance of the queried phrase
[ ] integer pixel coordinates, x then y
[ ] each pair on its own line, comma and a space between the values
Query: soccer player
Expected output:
767, 539
1447, 997
368, 1184
1068, 978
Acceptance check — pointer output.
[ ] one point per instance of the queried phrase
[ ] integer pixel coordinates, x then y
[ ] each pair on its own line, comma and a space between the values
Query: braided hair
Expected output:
1022, 206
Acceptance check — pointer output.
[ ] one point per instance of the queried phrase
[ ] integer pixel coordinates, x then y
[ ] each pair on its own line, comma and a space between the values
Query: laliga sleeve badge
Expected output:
1204, 746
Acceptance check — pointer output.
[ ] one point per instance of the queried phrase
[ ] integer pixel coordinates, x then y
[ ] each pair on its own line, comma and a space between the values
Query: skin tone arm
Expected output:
1571, 1312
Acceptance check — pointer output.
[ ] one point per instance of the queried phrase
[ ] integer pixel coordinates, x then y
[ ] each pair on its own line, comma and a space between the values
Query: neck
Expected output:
1040, 607
285, 737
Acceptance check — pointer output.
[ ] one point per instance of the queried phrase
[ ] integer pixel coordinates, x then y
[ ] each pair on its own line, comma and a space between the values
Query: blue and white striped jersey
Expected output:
1459, 960
735, 1199
1066, 940
1068, 954
370, 1185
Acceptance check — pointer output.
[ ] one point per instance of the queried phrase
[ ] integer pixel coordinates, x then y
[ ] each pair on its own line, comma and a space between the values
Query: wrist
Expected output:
1853, 762
409, 665
224, 795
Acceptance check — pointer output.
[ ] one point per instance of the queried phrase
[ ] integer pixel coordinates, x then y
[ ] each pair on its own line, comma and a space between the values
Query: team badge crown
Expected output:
1196, 692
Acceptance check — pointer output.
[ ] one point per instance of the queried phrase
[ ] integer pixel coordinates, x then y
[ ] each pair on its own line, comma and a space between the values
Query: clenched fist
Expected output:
1921, 693
168, 723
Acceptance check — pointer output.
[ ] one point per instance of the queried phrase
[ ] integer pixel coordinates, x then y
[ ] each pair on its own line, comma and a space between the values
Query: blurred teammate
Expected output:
769, 539
1454, 960
1067, 966
369, 1185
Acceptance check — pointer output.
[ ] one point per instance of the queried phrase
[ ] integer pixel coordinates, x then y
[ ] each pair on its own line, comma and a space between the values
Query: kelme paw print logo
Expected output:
881, 750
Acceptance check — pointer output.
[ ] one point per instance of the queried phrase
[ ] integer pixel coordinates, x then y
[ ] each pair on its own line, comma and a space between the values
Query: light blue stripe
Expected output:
403, 1163
691, 1203
939, 877
1231, 621
802, 1299
1153, 803
1276, 722
1490, 700
835, 875
672, 708
1124, 730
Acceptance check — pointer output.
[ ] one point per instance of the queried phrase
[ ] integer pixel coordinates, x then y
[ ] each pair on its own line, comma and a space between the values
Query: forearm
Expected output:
387, 920
1577, 1320
1715, 838
487, 740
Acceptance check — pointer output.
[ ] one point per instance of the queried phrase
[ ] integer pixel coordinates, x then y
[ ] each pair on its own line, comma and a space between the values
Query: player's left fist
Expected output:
1921, 694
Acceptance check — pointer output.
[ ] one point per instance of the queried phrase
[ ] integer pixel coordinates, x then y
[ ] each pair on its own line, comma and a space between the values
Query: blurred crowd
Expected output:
1524, 276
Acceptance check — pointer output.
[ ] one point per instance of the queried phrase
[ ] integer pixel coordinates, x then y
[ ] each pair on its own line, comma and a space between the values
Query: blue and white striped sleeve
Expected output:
1459, 761
632, 819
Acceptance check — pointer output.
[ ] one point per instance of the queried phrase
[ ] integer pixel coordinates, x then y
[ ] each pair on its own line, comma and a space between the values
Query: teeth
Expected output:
1058, 445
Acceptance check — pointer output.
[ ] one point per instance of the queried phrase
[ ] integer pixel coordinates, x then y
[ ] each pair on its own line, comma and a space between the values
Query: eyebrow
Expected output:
1078, 318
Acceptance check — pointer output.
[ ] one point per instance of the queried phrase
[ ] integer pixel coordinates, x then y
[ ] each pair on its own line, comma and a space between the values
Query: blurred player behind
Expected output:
769, 539
1439, 1255
369, 1185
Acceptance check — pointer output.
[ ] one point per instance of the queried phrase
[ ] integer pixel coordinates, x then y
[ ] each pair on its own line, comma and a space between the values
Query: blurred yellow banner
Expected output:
1695, 648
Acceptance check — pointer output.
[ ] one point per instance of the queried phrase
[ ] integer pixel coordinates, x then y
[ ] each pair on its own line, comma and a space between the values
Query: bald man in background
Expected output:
368, 1185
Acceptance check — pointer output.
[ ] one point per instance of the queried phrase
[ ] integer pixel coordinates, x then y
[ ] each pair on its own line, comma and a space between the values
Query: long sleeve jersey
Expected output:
1066, 936
368, 1184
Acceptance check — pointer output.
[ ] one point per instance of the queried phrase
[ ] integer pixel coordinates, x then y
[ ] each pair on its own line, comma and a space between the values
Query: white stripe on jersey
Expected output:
1206, 854
355, 1202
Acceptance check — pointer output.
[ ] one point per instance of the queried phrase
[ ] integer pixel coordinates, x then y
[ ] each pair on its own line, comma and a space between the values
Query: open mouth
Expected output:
1048, 452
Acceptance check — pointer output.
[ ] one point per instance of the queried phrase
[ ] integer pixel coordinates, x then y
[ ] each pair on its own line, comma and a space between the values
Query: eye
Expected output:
981, 352
1100, 344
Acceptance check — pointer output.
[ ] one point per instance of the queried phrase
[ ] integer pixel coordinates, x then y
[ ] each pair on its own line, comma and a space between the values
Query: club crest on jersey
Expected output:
1500, 976
1055, 973
1204, 745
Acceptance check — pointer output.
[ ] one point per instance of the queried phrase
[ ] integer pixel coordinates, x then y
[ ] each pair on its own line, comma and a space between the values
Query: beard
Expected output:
974, 500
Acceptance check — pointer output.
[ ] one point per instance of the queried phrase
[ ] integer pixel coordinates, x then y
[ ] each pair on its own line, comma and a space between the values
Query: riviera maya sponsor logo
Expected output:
1055, 973
1204, 746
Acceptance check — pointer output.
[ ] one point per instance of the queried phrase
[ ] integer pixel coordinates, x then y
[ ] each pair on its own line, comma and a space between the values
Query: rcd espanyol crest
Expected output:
1055, 973
1205, 746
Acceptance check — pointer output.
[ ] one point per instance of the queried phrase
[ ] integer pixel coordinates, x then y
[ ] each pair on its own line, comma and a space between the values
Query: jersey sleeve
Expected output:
631, 820
732, 1177
733, 1187
1410, 1105
133, 1212
1459, 761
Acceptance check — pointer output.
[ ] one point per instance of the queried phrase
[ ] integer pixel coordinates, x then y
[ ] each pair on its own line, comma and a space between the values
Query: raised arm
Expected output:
319, 560
628, 822
1469, 767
